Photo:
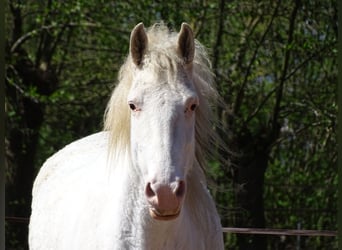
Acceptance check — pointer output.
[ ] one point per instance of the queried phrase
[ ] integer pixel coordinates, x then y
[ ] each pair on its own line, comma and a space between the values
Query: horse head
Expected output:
163, 103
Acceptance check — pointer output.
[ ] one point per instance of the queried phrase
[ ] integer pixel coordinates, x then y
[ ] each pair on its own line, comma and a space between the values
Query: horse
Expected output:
140, 182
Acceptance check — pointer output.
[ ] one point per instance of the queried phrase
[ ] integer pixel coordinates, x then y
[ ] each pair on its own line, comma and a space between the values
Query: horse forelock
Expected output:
161, 53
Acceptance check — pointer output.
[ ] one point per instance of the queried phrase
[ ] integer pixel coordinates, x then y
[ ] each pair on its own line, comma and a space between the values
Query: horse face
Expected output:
163, 139
163, 104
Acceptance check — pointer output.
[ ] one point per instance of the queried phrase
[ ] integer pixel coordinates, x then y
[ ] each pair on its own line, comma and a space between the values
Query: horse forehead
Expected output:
157, 73
171, 85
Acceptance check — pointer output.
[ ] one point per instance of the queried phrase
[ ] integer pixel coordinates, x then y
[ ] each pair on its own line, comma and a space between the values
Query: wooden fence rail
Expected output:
289, 232
263, 231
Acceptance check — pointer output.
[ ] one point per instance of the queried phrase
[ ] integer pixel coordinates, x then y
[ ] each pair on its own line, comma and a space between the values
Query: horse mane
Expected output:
161, 53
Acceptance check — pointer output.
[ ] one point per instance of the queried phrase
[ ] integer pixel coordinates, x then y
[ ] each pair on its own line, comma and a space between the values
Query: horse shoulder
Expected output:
71, 153
62, 186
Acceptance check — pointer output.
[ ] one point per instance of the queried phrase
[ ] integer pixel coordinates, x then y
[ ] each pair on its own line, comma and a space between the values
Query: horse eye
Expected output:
132, 106
193, 107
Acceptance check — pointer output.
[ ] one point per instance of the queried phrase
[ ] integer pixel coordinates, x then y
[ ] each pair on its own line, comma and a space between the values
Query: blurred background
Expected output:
276, 68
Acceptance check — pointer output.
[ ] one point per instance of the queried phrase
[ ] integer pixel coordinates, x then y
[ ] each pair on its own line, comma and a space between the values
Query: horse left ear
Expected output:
186, 43
138, 43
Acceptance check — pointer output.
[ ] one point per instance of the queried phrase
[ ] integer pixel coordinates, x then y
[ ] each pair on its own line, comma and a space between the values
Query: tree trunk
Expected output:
248, 181
22, 139
18, 194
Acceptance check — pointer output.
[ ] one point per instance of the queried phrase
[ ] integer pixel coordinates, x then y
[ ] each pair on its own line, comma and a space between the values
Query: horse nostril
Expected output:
180, 190
149, 191
156, 192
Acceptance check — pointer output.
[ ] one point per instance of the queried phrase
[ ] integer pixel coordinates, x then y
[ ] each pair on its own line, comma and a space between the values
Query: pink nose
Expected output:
165, 199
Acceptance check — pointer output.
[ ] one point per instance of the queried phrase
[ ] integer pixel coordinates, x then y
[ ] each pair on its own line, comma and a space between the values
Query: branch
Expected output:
298, 132
289, 75
35, 32
20, 90
218, 41
279, 94
313, 55
60, 67
56, 42
240, 95
17, 20
256, 111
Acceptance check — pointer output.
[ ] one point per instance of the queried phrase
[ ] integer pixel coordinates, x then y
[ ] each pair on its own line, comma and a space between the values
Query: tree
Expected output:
270, 78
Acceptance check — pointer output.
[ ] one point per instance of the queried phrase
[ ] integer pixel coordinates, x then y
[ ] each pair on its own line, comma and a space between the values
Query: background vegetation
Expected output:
276, 68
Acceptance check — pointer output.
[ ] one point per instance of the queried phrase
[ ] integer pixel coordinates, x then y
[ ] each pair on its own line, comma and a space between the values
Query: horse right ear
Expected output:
138, 43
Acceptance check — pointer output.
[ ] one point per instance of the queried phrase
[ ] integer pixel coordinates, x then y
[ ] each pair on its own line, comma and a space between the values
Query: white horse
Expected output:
140, 183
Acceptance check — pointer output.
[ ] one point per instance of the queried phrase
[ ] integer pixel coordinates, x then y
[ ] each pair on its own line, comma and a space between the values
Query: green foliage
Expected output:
275, 66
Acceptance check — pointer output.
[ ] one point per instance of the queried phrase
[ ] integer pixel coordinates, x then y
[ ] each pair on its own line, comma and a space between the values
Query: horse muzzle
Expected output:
165, 200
